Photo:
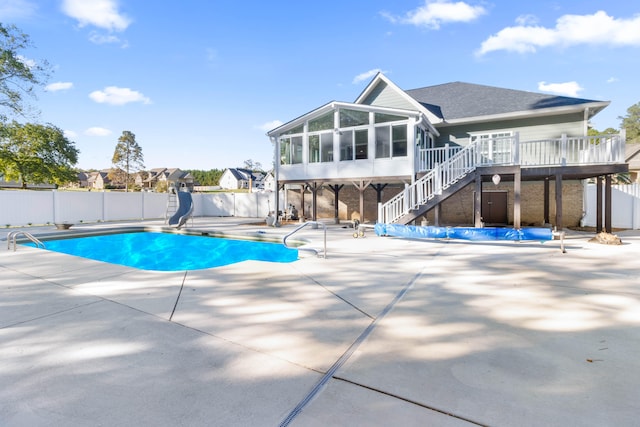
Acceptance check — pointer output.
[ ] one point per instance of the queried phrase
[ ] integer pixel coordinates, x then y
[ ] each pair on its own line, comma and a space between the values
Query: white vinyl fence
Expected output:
24, 207
625, 206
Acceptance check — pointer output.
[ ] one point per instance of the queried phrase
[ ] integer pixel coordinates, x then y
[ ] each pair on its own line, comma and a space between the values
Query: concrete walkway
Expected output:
383, 331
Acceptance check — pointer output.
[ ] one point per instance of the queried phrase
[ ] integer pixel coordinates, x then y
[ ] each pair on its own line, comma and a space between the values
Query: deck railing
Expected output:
447, 166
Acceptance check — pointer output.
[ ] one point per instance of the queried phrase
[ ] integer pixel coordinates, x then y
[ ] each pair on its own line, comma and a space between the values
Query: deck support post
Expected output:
378, 188
361, 186
517, 184
607, 204
315, 186
336, 200
477, 203
547, 196
599, 204
559, 202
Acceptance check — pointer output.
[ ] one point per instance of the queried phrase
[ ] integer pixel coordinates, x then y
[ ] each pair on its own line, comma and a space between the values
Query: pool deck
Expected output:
384, 331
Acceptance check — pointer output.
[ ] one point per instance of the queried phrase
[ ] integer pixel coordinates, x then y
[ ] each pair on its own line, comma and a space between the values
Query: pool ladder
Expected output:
11, 237
316, 223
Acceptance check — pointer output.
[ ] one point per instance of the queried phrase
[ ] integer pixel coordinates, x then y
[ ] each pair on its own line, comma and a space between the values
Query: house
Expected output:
423, 149
169, 177
632, 157
269, 182
83, 180
238, 178
99, 180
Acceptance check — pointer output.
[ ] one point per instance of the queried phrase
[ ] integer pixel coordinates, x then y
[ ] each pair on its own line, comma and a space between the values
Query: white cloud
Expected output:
524, 20
566, 89
596, 29
97, 131
99, 13
435, 13
54, 87
70, 134
16, 9
114, 95
367, 75
612, 80
270, 125
98, 38
26, 61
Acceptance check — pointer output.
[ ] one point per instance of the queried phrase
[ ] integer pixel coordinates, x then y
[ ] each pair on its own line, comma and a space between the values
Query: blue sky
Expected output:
199, 82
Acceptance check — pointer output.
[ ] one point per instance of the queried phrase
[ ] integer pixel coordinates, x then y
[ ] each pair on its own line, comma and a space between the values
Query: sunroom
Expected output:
344, 142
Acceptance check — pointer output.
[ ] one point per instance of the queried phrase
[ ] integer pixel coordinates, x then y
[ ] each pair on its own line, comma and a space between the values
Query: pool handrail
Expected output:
300, 227
14, 234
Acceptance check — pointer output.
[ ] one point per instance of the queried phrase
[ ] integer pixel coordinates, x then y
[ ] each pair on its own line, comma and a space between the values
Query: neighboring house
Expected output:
238, 178
172, 177
269, 182
632, 157
426, 145
83, 180
99, 180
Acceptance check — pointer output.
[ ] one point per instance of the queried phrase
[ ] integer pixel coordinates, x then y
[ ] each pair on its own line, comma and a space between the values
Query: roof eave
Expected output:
419, 115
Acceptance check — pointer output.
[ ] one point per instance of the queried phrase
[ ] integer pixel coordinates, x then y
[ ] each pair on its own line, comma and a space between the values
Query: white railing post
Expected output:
563, 150
437, 181
516, 149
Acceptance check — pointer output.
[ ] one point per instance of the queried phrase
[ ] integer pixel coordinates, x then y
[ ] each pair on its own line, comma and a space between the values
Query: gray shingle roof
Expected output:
460, 100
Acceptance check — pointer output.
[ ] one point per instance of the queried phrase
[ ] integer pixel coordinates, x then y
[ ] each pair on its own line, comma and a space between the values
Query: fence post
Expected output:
53, 204
563, 150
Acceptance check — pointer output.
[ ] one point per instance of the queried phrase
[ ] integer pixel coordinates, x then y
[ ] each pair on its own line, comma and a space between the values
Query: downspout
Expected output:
412, 152
276, 175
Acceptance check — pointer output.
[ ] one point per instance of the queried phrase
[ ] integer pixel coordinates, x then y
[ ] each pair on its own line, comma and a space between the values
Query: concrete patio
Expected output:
383, 331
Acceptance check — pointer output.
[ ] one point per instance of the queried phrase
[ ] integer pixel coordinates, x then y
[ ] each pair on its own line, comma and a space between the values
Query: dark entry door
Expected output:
494, 207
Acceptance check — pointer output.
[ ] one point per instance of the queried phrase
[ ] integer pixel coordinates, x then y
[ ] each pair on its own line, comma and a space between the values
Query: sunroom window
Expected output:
321, 147
391, 141
384, 118
291, 150
354, 142
399, 141
351, 118
296, 149
324, 122
383, 142
285, 151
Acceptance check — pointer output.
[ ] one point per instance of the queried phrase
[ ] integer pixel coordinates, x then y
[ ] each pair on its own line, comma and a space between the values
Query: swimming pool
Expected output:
169, 251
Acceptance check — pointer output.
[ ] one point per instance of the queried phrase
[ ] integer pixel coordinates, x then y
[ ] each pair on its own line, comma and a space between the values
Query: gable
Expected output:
382, 95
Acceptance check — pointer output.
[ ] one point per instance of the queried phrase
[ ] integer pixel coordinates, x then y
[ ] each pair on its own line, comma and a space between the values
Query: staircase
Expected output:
442, 181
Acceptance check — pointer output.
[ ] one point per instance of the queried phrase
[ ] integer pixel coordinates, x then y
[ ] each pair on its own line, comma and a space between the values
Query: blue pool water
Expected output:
170, 252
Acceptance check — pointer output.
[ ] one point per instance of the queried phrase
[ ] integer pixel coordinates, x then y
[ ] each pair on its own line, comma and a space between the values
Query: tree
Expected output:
631, 122
206, 178
18, 77
35, 153
127, 159
251, 165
